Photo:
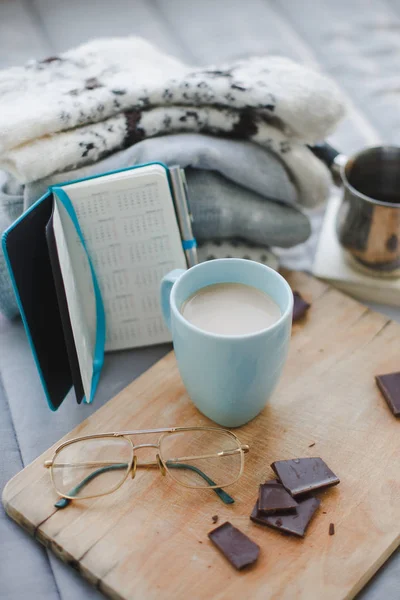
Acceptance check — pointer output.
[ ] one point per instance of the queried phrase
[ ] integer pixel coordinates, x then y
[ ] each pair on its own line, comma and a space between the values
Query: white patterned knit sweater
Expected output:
70, 110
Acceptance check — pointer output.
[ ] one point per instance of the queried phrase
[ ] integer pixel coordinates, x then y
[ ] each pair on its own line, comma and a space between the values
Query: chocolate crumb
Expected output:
331, 529
278, 522
214, 518
200, 542
311, 445
324, 512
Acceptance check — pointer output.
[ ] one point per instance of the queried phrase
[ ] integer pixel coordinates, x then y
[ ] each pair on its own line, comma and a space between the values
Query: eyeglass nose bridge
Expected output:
146, 446
158, 461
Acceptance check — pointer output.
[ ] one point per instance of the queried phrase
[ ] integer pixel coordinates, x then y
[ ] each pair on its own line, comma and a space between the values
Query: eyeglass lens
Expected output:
202, 458
91, 467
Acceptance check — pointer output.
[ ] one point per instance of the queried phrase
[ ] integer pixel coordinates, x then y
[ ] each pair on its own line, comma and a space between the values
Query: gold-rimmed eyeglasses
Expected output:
195, 457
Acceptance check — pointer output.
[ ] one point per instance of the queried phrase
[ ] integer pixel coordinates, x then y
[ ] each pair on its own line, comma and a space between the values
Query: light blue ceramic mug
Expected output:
229, 378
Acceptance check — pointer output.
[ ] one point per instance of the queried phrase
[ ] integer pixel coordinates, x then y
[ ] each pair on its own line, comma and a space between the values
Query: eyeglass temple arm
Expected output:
243, 449
64, 502
226, 498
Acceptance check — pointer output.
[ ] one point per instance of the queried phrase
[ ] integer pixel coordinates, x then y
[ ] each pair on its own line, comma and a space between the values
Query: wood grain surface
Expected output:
148, 540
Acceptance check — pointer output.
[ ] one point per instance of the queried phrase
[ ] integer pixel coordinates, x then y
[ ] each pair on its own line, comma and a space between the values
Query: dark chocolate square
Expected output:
274, 498
295, 524
302, 475
239, 549
300, 306
389, 385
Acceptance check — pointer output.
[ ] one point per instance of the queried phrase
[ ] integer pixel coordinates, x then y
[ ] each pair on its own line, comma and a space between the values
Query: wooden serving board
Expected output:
149, 539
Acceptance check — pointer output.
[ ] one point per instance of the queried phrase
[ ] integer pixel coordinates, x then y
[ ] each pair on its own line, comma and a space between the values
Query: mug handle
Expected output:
166, 286
325, 152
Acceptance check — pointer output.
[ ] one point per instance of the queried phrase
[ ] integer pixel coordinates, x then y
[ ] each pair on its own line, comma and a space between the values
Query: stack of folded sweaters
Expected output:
241, 130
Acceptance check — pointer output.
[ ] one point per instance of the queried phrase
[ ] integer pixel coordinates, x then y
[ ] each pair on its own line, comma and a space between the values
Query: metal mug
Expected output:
368, 220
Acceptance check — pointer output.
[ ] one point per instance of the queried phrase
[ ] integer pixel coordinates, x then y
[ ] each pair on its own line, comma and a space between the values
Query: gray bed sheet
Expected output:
356, 42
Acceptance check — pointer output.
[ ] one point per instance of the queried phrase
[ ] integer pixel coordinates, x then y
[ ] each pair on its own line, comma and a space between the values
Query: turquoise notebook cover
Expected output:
62, 195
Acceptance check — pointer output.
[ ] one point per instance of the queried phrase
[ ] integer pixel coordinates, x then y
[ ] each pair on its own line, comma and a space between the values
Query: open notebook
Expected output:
86, 262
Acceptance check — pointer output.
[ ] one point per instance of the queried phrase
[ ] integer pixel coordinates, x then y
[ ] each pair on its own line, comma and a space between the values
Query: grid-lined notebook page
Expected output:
128, 222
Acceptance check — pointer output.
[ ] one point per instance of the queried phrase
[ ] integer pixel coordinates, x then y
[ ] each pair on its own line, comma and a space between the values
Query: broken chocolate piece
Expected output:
302, 475
300, 306
389, 385
331, 528
240, 550
274, 498
295, 524
214, 519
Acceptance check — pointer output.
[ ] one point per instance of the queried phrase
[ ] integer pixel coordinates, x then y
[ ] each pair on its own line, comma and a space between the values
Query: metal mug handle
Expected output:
333, 159
325, 152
